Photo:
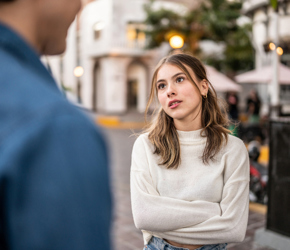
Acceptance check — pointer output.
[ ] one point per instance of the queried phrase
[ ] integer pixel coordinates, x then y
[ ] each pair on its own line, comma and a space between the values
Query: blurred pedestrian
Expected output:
253, 107
189, 177
54, 185
233, 111
233, 105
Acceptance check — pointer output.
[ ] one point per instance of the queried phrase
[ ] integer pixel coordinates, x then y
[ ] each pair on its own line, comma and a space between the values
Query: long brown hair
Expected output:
162, 132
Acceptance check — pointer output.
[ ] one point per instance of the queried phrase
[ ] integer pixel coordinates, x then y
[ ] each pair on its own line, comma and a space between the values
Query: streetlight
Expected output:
275, 64
78, 71
176, 42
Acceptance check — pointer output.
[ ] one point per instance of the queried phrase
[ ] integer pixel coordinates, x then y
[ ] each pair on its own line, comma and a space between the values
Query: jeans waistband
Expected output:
156, 243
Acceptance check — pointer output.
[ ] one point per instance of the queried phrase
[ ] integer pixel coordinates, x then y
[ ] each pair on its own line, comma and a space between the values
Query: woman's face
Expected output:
178, 96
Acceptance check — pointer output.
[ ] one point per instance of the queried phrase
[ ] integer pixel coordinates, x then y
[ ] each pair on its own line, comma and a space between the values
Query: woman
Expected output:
189, 178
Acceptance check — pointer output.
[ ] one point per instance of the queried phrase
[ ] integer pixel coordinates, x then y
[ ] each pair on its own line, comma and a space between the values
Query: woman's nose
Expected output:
171, 90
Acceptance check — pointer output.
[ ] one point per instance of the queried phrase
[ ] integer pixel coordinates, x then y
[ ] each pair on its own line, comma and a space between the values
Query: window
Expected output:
136, 34
98, 27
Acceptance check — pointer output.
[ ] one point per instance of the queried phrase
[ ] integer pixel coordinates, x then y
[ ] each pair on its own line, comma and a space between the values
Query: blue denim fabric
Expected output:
54, 180
159, 244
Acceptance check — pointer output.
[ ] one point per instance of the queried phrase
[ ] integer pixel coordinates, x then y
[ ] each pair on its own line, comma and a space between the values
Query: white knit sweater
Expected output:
196, 203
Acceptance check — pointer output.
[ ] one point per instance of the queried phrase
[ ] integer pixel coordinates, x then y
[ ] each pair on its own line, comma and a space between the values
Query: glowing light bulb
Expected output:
176, 42
78, 71
279, 51
272, 46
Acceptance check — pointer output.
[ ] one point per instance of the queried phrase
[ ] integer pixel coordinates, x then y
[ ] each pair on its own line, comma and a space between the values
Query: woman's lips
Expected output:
174, 104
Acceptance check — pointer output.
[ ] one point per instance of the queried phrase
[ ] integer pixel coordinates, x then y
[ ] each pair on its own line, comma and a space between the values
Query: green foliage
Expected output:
161, 23
65, 88
239, 52
219, 18
215, 20
274, 4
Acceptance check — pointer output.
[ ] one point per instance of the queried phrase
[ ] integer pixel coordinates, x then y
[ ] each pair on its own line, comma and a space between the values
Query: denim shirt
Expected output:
54, 178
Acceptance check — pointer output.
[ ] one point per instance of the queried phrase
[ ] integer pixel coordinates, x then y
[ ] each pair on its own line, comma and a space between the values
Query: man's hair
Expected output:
6, 1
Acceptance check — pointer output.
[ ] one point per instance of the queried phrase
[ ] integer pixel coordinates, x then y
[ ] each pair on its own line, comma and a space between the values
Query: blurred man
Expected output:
54, 185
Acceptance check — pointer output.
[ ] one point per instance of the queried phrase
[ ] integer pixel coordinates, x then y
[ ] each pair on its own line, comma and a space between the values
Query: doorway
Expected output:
132, 94
96, 90
136, 87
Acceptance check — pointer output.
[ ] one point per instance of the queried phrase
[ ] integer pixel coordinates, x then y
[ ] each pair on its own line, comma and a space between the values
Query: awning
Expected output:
264, 75
221, 82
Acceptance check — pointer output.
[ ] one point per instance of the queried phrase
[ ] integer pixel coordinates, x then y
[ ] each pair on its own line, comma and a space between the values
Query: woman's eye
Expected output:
179, 79
161, 86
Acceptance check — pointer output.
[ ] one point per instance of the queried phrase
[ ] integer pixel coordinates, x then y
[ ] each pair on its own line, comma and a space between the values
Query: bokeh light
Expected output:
279, 51
272, 46
78, 71
176, 42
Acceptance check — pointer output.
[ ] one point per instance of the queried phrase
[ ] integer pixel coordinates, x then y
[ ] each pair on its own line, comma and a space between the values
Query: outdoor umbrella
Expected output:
221, 82
264, 75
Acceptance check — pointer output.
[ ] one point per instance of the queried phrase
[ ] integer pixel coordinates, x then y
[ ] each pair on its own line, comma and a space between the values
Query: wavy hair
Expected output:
162, 132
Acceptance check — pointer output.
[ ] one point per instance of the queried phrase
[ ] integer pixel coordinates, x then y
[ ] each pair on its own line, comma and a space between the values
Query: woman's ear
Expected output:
204, 87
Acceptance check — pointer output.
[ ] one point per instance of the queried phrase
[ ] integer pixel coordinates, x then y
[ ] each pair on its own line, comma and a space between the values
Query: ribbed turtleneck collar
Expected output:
190, 136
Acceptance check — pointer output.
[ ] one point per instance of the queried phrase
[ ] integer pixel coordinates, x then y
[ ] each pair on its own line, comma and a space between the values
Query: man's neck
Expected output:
21, 21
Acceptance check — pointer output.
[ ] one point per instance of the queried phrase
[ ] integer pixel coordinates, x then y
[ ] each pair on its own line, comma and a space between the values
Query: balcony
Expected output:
131, 43
251, 5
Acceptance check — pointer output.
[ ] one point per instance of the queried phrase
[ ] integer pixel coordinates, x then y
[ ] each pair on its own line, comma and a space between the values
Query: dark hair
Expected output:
6, 1
162, 132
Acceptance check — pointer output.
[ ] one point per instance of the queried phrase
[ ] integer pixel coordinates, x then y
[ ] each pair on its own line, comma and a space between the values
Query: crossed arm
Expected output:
192, 222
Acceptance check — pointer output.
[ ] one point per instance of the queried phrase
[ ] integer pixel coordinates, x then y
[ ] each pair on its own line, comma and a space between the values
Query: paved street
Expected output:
125, 235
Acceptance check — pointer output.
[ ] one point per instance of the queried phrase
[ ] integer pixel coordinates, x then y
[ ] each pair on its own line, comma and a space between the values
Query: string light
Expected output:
272, 46
279, 51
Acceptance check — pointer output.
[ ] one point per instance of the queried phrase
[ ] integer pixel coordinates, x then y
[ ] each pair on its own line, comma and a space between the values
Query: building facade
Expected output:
264, 30
261, 13
108, 42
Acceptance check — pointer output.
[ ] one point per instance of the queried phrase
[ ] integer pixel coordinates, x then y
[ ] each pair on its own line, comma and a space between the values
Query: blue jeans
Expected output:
159, 244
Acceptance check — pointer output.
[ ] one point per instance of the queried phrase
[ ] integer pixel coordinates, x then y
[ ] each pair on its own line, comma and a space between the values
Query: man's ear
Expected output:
204, 87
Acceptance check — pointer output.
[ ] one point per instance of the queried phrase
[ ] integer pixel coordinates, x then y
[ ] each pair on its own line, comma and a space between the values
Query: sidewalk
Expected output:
129, 120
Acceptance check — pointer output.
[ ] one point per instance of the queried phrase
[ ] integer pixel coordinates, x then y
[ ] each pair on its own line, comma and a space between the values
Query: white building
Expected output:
108, 43
261, 13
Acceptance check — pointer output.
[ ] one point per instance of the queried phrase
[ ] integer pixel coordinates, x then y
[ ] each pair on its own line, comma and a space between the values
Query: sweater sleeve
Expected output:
231, 225
152, 212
